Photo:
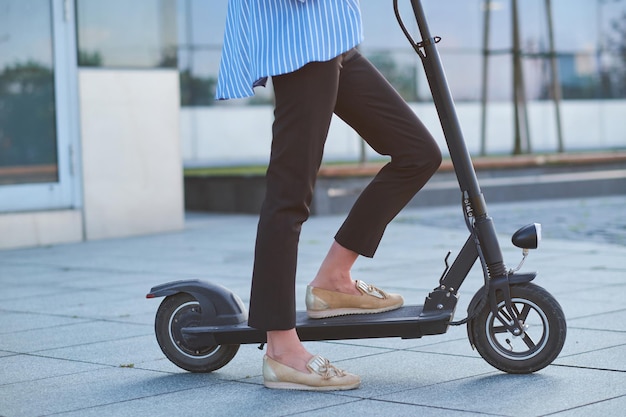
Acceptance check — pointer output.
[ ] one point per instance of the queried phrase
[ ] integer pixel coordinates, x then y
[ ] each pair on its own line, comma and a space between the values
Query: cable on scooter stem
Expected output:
427, 51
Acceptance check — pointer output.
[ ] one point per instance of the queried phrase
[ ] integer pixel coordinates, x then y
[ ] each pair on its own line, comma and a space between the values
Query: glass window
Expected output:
28, 140
201, 33
590, 39
122, 33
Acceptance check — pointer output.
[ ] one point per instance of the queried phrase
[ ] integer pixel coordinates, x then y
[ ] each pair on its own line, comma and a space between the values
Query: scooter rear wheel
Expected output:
544, 330
175, 313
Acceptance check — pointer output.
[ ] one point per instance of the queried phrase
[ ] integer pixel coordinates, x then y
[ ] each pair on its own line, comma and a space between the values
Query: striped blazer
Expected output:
263, 38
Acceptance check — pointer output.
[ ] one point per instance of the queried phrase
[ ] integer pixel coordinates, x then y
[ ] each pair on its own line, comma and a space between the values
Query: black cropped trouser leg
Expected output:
306, 99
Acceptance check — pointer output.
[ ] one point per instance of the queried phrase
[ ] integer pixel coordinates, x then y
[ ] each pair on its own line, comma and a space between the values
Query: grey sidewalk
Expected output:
76, 333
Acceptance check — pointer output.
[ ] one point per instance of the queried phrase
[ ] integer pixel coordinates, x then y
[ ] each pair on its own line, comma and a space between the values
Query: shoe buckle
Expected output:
371, 290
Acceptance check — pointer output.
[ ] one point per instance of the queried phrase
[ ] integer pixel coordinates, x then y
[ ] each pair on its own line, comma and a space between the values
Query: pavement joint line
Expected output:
583, 405
482, 374
592, 350
340, 342
97, 342
591, 328
93, 269
591, 368
481, 413
85, 318
102, 366
328, 407
58, 290
448, 354
93, 407
596, 314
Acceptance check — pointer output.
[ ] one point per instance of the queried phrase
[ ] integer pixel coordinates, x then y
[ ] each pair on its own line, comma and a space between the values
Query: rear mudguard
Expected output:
219, 306
481, 294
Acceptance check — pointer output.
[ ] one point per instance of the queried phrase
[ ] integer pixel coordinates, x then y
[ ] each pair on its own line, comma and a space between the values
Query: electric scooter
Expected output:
515, 325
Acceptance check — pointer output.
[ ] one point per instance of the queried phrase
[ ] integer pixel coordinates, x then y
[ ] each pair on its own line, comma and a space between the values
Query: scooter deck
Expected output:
407, 322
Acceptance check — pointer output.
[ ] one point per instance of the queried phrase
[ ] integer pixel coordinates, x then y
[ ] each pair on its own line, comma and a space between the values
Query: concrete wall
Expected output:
132, 173
131, 163
40, 228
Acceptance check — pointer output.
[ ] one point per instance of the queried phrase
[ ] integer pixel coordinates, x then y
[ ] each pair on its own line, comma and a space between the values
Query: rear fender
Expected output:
219, 305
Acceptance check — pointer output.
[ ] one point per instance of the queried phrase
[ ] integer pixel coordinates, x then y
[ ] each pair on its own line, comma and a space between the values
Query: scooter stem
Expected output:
466, 176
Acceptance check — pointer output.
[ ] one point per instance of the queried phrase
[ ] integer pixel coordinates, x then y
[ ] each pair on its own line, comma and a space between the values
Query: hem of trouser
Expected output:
346, 244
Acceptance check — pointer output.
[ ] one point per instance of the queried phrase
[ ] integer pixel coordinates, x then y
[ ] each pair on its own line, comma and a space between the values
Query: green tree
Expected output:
617, 45
403, 78
196, 91
89, 59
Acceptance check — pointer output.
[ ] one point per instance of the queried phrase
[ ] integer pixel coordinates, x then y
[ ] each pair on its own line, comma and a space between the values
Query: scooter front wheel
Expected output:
175, 313
543, 324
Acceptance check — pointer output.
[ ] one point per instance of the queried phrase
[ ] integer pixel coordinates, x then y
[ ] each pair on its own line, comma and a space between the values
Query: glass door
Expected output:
38, 105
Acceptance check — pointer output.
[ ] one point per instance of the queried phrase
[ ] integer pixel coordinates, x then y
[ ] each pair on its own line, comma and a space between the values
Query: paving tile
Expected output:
613, 320
399, 371
613, 407
70, 315
14, 322
83, 303
86, 390
40, 340
14, 291
454, 334
234, 399
367, 407
248, 361
577, 341
130, 351
588, 340
610, 358
3, 353
30, 368
550, 391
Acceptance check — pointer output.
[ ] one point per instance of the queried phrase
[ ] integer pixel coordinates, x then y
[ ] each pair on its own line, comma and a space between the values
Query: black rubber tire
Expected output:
183, 310
541, 341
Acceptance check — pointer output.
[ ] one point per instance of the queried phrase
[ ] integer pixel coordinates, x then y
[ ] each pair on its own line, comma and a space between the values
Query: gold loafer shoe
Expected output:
322, 376
322, 303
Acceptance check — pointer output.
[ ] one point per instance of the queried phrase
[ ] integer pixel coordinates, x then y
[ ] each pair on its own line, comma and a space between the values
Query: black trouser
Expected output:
306, 99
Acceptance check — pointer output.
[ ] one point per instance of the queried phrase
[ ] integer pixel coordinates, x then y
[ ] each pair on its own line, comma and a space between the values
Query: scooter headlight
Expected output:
527, 237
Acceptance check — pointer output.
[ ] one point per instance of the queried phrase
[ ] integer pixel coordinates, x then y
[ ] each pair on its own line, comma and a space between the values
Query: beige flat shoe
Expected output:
322, 376
324, 303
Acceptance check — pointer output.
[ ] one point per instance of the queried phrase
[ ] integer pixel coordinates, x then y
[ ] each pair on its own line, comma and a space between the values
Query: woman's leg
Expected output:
334, 273
305, 100
369, 104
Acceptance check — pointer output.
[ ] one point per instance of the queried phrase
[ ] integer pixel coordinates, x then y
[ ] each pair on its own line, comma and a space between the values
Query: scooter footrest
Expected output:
404, 322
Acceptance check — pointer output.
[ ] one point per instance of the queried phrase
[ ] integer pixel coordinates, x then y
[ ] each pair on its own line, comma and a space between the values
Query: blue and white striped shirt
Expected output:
263, 38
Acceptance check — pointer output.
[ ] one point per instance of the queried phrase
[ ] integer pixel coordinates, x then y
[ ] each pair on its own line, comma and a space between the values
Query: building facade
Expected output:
103, 103
89, 121
478, 46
